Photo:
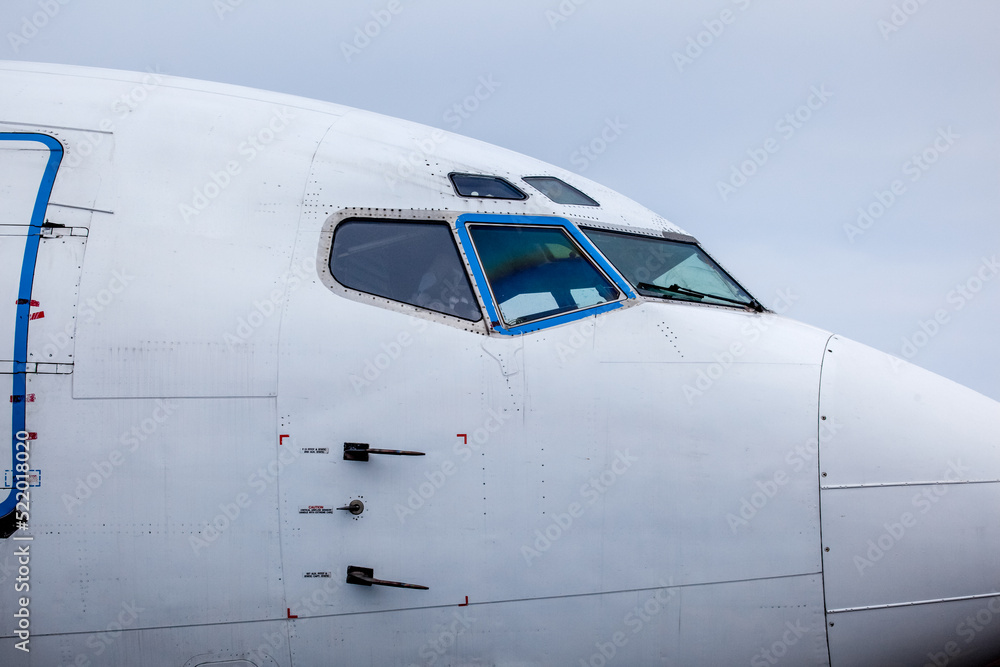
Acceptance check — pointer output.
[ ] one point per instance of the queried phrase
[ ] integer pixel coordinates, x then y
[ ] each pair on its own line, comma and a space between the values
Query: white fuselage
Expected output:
646, 481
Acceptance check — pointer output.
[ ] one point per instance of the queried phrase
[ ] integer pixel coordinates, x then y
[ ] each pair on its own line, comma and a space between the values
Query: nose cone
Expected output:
910, 502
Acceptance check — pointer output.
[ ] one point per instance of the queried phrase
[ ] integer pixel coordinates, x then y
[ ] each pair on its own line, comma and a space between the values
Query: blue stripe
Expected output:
588, 247
24, 294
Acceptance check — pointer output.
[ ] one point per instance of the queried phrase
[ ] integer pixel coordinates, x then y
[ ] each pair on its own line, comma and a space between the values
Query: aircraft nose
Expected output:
910, 502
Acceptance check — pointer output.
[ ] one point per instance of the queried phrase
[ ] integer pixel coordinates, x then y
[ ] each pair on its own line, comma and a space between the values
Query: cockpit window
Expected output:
559, 191
670, 269
491, 187
412, 262
538, 272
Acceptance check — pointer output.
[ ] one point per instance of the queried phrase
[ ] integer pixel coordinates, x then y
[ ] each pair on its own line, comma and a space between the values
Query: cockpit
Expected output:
524, 272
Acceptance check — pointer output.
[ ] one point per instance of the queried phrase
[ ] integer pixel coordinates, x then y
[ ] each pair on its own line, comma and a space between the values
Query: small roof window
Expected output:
559, 191
488, 187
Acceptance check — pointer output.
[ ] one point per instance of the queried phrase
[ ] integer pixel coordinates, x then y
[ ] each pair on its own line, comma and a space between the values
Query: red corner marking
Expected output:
37, 316
464, 437
289, 612
281, 439
466, 602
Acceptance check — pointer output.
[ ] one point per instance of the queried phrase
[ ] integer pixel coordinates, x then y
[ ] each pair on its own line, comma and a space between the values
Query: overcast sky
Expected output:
763, 127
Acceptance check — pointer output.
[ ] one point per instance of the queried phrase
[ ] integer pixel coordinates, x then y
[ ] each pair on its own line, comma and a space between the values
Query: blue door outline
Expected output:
18, 426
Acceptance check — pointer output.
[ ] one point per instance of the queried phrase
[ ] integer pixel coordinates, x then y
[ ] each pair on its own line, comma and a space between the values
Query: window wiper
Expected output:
677, 289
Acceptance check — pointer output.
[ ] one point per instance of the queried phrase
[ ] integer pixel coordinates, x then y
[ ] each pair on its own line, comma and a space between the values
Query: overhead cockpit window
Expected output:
489, 187
538, 272
412, 262
670, 269
559, 191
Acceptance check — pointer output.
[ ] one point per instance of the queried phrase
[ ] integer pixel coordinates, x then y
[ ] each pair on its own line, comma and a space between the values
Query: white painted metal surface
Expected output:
22, 164
664, 483
909, 494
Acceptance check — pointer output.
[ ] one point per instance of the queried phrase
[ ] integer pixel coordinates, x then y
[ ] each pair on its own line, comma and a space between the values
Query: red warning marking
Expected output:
30, 302
466, 604
281, 439
32, 435
290, 614
21, 398
464, 437
37, 316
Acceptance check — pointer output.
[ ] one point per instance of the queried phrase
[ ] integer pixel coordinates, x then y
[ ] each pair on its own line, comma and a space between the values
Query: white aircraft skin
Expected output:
645, 481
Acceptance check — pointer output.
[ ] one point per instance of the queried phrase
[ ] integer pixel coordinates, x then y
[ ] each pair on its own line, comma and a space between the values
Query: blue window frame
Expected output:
535, 272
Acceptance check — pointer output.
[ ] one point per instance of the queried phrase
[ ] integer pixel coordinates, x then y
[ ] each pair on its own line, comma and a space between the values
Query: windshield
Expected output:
669, 269
538, 272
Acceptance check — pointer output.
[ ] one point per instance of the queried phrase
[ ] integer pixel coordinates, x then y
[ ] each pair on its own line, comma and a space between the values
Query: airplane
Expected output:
296, 384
